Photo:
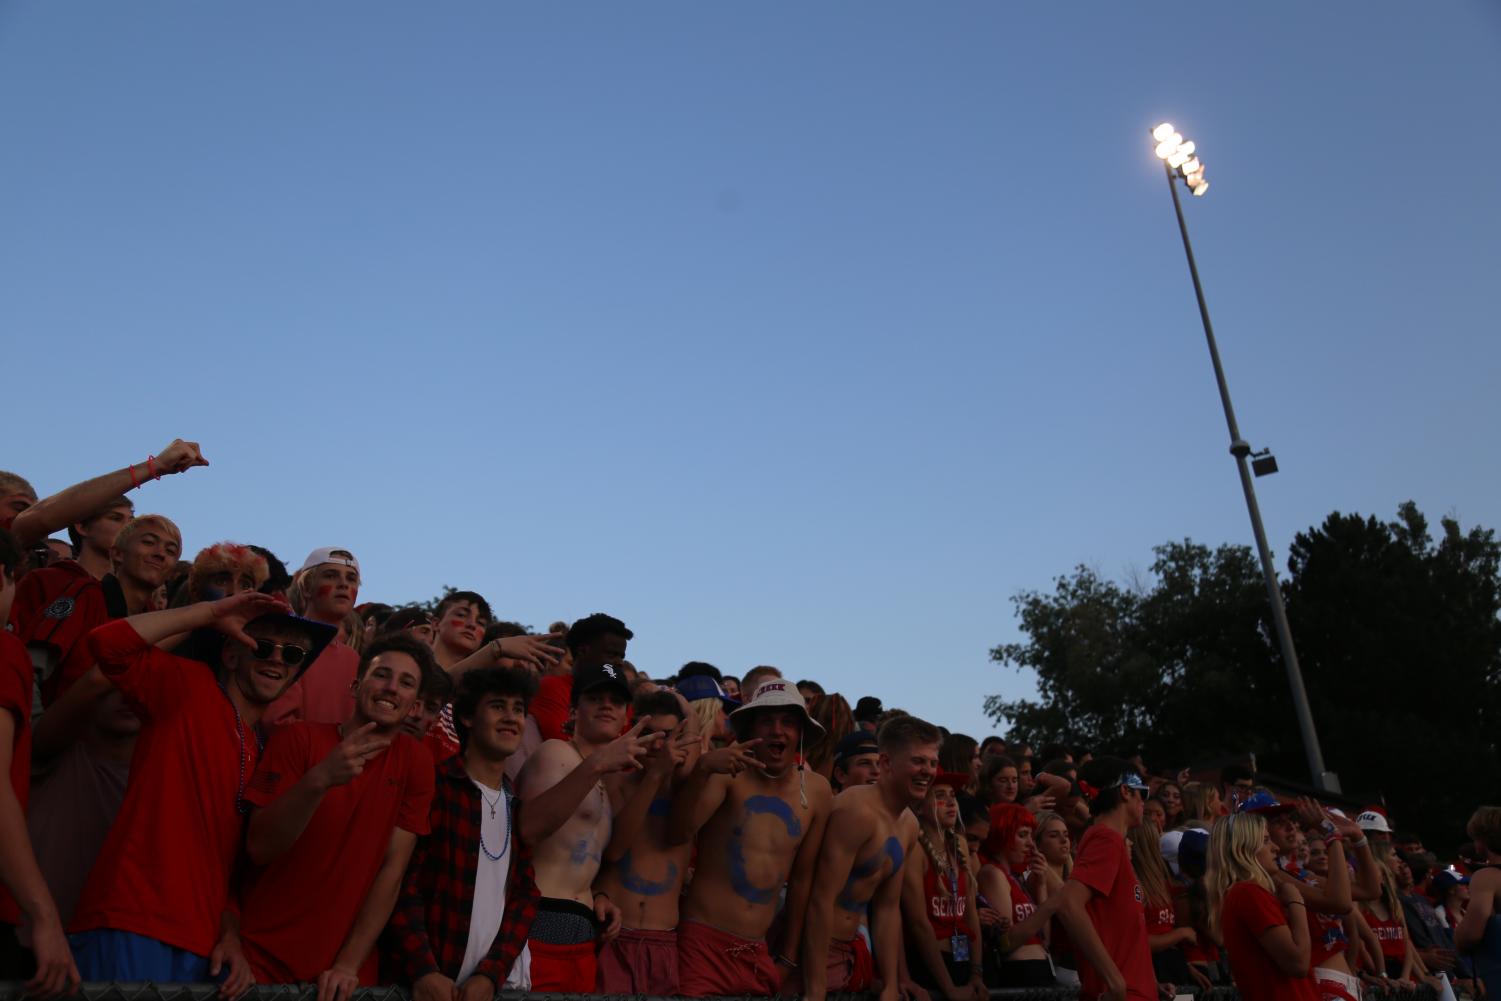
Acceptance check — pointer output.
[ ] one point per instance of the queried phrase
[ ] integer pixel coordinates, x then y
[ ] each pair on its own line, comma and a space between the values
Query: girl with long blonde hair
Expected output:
1262, 923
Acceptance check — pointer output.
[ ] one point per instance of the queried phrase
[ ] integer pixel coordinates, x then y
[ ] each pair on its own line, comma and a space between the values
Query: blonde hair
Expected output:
1196, 802
1146, 859
352, 631
1485, 827
1046, 817
148, 522
707, 713
1233, 844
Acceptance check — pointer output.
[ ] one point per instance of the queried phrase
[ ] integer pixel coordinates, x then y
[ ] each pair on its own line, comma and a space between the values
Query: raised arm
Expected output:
704, 790
1288, 945
227, 615
553, 784
83, 500
631, 817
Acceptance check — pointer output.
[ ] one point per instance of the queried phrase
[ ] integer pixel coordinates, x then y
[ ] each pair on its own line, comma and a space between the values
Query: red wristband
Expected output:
151, 468
135, 484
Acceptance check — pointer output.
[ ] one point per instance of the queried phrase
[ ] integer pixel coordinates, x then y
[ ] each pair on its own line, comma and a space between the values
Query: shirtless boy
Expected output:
567, 822
759, 817
871, 832
643, 875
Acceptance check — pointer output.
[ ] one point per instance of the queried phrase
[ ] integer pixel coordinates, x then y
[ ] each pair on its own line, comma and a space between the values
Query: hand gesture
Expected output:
1115, 987
608, 915
56, 972
624, 753
179, 457
1311, 813
231, 615
732, 759
227, 955
536, 652
436, 987
1040, 803
911, 991
1347, 828
347, 760
337, 983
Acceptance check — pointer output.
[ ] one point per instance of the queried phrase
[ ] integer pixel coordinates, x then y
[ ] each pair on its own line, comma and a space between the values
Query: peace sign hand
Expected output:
346, 761
731, 759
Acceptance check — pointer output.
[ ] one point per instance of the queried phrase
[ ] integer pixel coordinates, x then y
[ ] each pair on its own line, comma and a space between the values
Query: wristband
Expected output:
1361, 843
601, 893
151, 468
135, 484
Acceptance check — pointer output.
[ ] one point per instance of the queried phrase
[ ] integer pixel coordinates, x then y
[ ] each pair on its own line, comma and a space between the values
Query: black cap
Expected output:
855, 743
586, 679
868, 709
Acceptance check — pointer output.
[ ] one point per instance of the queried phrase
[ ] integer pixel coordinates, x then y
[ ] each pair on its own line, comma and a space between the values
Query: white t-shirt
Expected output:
490, 889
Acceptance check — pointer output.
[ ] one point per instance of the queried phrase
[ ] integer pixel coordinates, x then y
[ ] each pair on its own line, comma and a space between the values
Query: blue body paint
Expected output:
739, 878
583, 851
637, 883
891, 849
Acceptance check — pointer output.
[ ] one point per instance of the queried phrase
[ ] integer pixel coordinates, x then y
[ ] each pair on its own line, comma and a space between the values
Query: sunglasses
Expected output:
291, 654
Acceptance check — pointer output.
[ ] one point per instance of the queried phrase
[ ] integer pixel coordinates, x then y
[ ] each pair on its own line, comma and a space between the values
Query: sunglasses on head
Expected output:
291, 654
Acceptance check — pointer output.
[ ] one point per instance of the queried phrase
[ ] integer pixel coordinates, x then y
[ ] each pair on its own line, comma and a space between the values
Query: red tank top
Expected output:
1391, 933
946, 901
1022, 907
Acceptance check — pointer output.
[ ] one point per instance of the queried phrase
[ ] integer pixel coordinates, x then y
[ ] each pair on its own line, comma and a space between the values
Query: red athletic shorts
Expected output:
713, 963
639, 961
850, 968
562, 969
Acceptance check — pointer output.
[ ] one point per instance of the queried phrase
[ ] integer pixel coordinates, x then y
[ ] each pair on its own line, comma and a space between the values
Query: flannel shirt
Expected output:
429, 927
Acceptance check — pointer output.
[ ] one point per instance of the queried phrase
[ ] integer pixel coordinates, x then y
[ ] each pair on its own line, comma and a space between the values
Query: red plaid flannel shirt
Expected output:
429, 927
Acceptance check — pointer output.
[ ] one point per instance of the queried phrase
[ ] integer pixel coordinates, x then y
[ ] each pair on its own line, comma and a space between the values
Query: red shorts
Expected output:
715, 963
639, 961
850, 968
562, 969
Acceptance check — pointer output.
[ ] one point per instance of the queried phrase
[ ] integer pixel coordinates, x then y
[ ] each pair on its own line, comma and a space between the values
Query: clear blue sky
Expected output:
803, 334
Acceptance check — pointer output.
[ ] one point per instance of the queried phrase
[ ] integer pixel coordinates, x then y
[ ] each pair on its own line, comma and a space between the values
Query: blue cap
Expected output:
1265, 804
1445, 878
703, 687
1193, 851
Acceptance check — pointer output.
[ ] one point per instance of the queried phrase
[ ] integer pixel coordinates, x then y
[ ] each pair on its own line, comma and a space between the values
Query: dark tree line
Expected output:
1398, 636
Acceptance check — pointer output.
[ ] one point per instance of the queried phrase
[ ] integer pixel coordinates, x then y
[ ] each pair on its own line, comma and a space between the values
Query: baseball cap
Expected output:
1373, 821
774, 693
855, 743
1266, 804
330, 554
701, 686
868, 709
1445, 878
1193, 851
1168, 845
586, 678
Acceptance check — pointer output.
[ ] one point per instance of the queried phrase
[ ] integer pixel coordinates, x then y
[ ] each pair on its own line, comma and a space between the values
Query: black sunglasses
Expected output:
291, 654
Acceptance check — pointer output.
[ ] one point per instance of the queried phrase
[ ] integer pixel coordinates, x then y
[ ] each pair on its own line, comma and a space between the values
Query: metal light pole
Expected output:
1178, 158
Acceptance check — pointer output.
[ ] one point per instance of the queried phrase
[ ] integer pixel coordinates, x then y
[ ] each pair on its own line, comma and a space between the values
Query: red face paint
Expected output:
324, 590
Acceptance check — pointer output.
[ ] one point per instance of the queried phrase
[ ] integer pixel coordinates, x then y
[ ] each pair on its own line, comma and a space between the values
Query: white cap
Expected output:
776, 693
1373, 821
329, 554
1168, 845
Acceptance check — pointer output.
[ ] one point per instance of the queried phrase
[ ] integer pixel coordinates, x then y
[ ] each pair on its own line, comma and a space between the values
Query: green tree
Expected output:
1398, 636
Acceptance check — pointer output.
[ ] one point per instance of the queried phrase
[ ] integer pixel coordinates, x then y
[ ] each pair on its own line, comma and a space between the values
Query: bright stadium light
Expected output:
1180, 161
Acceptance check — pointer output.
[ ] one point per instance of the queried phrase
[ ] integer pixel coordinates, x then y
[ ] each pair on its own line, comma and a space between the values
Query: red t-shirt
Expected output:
1115, 909
324, 693
1248, 911
334, 860
55, 609
1161, 919
551, 705
164, 870
15, 698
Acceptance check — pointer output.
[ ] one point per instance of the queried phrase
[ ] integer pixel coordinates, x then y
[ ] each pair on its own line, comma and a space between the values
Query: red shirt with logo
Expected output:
947, 896
1247, 913
1115, 908
164, 870
55, 609
15, 698
335, 859
1391, 933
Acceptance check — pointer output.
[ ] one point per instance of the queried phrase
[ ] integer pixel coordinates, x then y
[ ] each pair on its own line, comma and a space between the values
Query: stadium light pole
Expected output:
1179, 159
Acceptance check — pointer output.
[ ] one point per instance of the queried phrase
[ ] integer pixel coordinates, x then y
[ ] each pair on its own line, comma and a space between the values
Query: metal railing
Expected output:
11, 991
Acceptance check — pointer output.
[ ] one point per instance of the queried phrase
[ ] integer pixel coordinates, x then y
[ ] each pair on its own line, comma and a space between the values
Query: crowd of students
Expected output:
220, 770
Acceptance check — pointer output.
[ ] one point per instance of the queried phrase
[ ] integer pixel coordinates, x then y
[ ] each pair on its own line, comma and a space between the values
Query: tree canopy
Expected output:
1397, 633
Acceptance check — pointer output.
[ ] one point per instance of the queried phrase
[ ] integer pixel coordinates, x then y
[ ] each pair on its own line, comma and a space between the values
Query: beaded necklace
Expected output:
504, 845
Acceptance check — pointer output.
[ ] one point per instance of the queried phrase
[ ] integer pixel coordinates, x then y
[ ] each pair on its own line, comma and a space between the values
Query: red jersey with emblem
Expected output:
1247, 912
334, 859
1115, 909
947, 896
164, 870
1022, 907
1391, 933
15, 699
54, 610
